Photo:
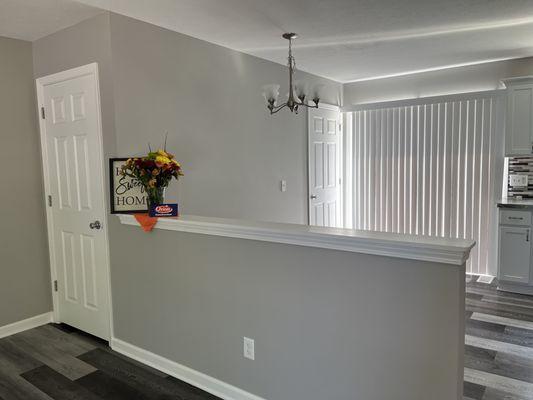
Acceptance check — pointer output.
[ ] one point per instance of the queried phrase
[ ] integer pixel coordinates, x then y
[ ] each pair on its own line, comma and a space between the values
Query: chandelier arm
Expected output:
277, 108
307, 105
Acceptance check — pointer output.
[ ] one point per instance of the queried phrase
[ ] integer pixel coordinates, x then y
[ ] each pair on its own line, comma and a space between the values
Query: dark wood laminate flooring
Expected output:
498, 343
55, 362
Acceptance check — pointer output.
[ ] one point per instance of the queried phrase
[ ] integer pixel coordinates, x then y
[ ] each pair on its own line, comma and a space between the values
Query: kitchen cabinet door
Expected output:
519, 120
515, 254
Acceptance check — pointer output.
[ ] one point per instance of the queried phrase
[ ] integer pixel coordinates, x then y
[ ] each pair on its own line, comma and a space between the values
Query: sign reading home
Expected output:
127, 194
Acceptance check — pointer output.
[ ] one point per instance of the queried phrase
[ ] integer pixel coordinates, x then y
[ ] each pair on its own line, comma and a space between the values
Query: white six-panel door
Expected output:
324, 167
73, 162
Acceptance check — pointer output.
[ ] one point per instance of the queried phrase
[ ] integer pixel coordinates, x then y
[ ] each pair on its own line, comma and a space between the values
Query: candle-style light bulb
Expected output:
300, 90
271, 94
316, 93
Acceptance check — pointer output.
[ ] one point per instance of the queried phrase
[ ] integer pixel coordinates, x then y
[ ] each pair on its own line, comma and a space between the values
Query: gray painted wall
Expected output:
25, 282
327, 324
208, 98
455, 80
334, 329
84, 43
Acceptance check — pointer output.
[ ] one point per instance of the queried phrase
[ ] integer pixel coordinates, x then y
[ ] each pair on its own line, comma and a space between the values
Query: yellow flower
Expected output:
162, 159
152, 183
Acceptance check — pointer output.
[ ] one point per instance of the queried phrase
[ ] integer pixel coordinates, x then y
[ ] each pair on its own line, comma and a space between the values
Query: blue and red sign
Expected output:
164, 210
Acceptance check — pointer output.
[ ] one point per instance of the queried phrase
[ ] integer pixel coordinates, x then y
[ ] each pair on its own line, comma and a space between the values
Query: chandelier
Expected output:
297, 90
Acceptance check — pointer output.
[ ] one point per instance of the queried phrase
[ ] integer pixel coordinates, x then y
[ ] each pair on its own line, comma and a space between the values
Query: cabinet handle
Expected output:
527, 235
514, 276
519, 218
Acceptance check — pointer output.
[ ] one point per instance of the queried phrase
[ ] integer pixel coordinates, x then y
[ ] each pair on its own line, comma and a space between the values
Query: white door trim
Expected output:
332, 107
89, 69
326, 106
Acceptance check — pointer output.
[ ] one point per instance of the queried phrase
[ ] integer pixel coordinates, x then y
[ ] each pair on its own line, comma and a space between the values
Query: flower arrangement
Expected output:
155, 171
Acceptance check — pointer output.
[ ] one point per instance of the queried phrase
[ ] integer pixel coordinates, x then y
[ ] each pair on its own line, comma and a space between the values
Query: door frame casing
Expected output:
340, 160
78, 72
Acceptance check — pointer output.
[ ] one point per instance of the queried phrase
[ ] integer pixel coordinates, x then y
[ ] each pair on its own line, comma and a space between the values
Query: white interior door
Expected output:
72, 154
324, 131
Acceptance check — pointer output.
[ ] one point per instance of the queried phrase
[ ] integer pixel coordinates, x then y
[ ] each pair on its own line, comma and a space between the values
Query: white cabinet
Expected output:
519, 118
515, 254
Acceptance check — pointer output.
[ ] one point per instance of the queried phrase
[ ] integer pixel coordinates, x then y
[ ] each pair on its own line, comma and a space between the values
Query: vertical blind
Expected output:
431, 167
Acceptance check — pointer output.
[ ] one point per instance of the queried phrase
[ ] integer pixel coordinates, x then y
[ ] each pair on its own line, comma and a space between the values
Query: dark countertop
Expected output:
515, 203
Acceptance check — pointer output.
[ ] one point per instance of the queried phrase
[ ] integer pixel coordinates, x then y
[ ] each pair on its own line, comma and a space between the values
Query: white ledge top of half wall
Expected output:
413, 247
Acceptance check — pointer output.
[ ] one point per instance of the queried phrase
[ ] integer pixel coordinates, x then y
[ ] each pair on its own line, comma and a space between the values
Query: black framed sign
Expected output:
127, 194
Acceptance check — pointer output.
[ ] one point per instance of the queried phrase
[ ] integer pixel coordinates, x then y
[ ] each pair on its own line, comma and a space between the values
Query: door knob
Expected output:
95, 225
313, 196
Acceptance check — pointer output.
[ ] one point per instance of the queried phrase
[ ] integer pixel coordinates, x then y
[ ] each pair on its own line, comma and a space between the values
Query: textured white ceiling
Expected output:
345, 40
349, 40
33, 19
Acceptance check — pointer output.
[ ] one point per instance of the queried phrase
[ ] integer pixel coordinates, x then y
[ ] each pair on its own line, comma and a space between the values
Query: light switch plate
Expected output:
249, 348
518, 180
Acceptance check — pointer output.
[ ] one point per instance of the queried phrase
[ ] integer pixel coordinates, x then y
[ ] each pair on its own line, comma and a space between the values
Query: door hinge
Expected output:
49, 200
42, 113
55, 286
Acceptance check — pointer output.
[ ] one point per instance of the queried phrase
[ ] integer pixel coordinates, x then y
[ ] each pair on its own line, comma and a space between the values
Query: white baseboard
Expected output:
209, 384
25, 324
515, 288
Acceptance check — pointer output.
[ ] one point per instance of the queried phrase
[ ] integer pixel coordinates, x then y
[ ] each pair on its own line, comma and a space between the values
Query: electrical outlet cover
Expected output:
518, 180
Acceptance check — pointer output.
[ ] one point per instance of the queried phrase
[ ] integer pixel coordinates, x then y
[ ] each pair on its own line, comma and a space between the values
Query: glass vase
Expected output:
155, 196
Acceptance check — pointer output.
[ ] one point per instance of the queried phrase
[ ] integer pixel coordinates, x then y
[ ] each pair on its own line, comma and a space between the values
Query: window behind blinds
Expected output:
429, 167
